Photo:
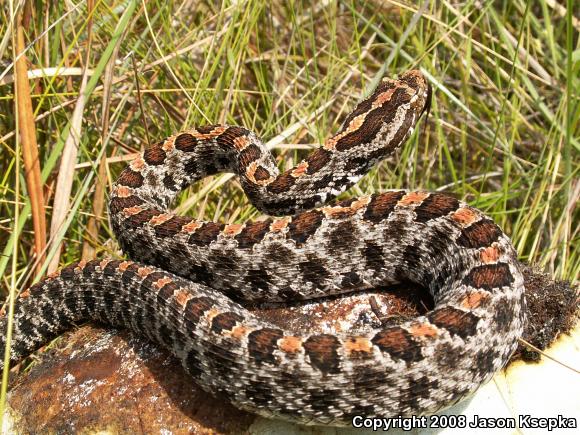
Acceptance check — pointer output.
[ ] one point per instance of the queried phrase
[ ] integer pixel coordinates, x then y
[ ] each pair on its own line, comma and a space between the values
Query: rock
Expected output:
98, 379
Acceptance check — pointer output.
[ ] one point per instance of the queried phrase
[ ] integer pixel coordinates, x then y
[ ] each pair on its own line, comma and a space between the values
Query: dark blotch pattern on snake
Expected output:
183, 289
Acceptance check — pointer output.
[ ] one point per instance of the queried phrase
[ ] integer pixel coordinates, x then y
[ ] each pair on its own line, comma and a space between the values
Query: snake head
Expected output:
417, 81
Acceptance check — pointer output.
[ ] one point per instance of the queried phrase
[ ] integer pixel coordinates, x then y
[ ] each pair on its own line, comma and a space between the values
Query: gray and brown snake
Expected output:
187, 280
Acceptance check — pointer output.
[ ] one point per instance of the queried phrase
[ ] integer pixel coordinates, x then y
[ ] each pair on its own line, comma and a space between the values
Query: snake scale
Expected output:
189, 279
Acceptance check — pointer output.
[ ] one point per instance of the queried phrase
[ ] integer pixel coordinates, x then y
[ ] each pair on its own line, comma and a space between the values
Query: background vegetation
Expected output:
110, 76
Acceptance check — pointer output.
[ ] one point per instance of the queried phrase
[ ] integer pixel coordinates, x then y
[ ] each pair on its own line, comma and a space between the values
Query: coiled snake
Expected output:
185, 289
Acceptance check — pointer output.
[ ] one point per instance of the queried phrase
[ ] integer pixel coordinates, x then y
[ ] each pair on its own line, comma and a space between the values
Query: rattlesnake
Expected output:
186, 290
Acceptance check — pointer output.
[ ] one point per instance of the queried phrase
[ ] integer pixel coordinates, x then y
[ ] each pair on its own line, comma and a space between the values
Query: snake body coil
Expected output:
185, 291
